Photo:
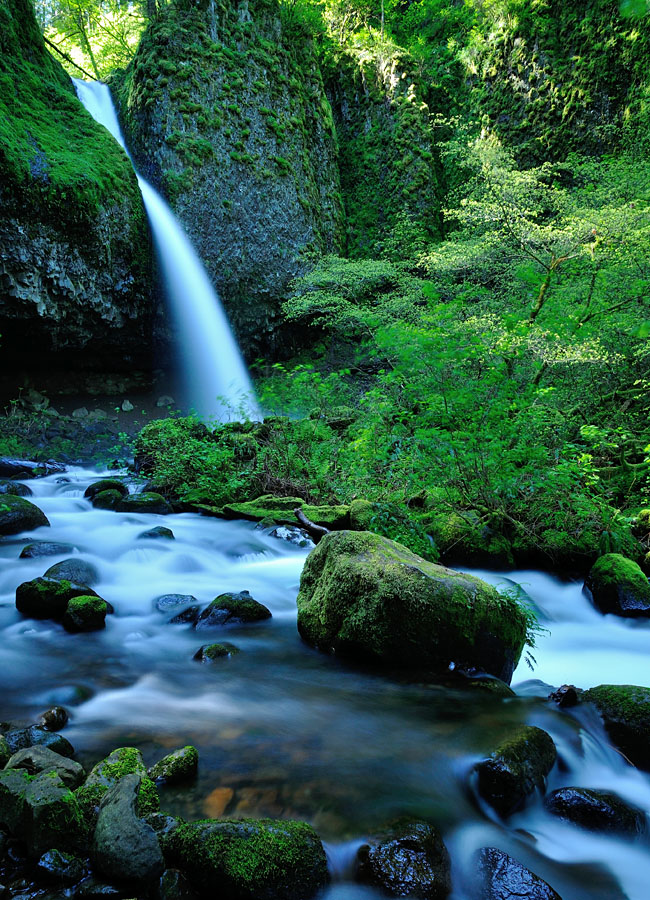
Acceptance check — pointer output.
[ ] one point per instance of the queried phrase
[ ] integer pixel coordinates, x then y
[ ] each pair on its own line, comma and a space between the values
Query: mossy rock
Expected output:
594, 810
146, 502
78, 571
48, 598
232, 609
280, 511
625, 709
211, 652
106, 484
250, 859
37, 759
177, 766
15, 488
463, 537
617, 585
18, 514
157, 533
641, 524
364, 596
120, 762
107, 500
85, 614
517, 767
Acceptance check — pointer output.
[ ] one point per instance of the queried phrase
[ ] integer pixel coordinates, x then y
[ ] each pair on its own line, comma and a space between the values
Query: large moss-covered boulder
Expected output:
280, 511
106, 484
177, 766
48, 598
18, 514
625, 709
364, 596
250, 859
517, 767
107, 773
617, 585
145, 502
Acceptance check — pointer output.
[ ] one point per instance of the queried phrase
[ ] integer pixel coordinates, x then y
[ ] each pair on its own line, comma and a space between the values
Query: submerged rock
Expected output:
617, 585
517, 767
78, 571
211, 652
106, 484
177, 766
44, 548
157, 533
596, 810
364, 596
189, 616
503, 878
174, 602
85, 614
14, 487
230, 609
409, 859
625, 709
18, 514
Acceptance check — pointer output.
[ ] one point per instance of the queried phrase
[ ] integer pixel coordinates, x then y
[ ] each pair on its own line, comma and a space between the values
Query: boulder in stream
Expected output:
625, 709
37, 759
367, 597
517, 767
18, 514
45, 548
231, 609
157, 533
174, 602
107, 500
48, 598
146, 502
85, 613
596, 810
503, 878
7, 486
78, 571
208, 653
106, 484
617, 585
35, 736
177, 766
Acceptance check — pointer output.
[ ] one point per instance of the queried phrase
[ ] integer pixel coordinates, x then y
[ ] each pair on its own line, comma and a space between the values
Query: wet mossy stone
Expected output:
174, 602
625, 709
230, 609
120, 762
409, 859
41, 759
157, 533
177, 766
85, 614
106, 484
211, 652
617, 585
641, 525
78, 571
44, 548
146, 502
189, 616
596, 810
48, 598
18, 514
280, 510
62, 868
517, 767
503, 878
250, 859
7, 486
107, 500
34, 736
367, 597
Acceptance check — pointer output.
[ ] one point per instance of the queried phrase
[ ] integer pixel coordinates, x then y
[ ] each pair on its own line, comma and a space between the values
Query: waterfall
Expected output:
217, 379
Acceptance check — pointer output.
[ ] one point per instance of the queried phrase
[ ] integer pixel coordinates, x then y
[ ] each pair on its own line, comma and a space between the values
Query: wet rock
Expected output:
174, 602
503, 878
14, 487
18, 514
34, 736
106, 484
625, 710
85, 614
78, 571
24, 468
120, 762
44, 548
53, 719
369, 598
124, 846
162, 823
410, 859
175, 886
41, 759
95, 889
211, 652
517, 767
292, 535
156, 533
250, 859
63, 868
565, 696
177, 766
48, 598
146, 502
189, 616
230, 608
596, 810
107, 500
617, 585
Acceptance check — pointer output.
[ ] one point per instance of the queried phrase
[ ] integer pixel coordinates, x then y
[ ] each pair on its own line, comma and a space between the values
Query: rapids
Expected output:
283, 730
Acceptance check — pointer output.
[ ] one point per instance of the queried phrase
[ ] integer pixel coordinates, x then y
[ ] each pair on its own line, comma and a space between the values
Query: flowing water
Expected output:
283, 730
218, 383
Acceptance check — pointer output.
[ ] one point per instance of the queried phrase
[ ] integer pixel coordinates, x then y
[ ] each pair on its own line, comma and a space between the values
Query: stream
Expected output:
285, 731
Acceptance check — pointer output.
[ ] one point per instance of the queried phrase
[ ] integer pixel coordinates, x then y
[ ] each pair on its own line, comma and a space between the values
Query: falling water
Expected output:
217, 379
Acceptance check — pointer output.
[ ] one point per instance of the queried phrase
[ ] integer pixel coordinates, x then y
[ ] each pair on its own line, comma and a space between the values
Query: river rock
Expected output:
41, 759
124, 846
107, 500
27, 468
34, 736
48, 598
625, 709
174, 602
157, 533
410, 859
77, 571
280, 511
211, 652
44, 548
250, 859
63, 868
18, 514
517, 767
503, 878
367, 597
106, 484
85, 614
120, 762
617, 585
146, 502
14, 487
230, 609
177, 766
596, 810
189, 616
53, 719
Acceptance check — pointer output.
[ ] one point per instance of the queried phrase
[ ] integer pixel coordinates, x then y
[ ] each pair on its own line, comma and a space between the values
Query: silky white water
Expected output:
218, 383
283, 730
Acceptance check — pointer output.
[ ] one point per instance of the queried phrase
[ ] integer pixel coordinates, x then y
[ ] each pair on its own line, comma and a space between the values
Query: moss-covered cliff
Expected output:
74, 245
226, 111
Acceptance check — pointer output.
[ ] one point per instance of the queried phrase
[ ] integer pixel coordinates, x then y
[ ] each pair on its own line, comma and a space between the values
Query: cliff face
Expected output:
74, 244
226, 112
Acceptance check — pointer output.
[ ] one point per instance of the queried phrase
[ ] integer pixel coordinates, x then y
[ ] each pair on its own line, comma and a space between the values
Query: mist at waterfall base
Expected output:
217, 382
285, 731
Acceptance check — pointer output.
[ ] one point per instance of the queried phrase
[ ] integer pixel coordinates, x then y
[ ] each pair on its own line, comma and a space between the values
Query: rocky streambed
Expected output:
488, 783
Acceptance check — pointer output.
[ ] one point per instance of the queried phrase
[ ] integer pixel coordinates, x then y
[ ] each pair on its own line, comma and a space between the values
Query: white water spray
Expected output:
217, 379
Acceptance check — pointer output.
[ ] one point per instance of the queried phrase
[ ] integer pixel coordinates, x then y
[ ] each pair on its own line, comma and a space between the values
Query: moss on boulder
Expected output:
209, 653
231, 609
146, 502
106, 484
177, 766
18, 514
617, 585
280, 511
516, 768
625, 709
48, 598
364, 596
85, 614
109, 499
